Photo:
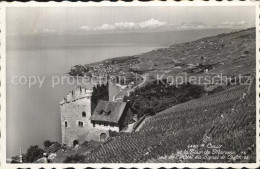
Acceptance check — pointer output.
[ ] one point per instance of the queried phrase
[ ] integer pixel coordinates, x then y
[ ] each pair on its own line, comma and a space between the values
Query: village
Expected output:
116, 66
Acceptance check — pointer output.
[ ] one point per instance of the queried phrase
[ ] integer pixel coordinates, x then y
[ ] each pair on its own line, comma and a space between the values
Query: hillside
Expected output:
219, 127
224, 118
229, 54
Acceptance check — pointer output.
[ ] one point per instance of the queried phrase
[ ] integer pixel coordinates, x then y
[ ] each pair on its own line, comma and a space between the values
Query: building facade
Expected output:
79, 123
75, 113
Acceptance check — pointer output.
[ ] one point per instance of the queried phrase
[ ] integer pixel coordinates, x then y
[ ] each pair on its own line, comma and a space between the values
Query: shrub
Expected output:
155, 97
33, 153
47, 143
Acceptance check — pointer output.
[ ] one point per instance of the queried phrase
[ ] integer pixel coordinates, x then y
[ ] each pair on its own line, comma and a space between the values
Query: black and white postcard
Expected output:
138, 84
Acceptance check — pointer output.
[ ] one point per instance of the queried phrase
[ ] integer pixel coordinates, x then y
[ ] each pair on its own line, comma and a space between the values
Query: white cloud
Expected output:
48, 30
106, 27
156, 24
151, 23
193, 26
234, 23
125, 25
115, 26
239, 24
85, 28
222, 25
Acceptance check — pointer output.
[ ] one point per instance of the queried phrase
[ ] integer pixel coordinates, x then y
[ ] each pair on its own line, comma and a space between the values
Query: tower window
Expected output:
80, 123
83, 114
66, 124
107, 113
101, 111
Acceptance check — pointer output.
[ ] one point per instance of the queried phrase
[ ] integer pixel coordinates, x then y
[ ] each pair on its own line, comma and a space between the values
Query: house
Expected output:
111, 115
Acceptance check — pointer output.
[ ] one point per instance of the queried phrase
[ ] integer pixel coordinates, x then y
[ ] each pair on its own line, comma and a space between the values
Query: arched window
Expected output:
66, 124
75, 142
103, 137
83, 114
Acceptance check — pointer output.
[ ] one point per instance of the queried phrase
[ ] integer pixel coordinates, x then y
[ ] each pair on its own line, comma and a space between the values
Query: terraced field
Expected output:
226, 116
235, 51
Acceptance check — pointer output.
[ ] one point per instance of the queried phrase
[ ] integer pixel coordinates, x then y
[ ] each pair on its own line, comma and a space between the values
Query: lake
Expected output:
33, 114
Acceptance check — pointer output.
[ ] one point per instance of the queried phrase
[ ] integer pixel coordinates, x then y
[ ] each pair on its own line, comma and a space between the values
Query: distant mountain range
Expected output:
47, 40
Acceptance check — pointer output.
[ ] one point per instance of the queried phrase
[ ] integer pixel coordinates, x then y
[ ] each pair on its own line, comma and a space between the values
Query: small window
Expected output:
83, 114
80, 123
66, 124
101, 111
107, 113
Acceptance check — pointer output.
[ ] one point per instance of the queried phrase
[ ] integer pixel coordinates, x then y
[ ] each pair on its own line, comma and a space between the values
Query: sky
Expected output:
60, 20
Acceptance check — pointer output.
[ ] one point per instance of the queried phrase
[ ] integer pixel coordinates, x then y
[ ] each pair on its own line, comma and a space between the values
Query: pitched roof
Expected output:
108, 111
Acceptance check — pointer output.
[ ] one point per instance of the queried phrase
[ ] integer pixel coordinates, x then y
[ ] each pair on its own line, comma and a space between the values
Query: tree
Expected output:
33, 153
155, 97
149, 111
47, 143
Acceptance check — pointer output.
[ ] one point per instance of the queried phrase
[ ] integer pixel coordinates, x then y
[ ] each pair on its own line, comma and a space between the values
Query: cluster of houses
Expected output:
108, 67
101, 70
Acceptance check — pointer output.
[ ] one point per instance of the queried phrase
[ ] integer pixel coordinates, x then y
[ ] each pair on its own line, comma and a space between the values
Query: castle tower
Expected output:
75, 116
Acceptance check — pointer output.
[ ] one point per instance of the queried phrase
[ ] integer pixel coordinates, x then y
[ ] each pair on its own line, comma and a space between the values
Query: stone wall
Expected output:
72, 113
78, 93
